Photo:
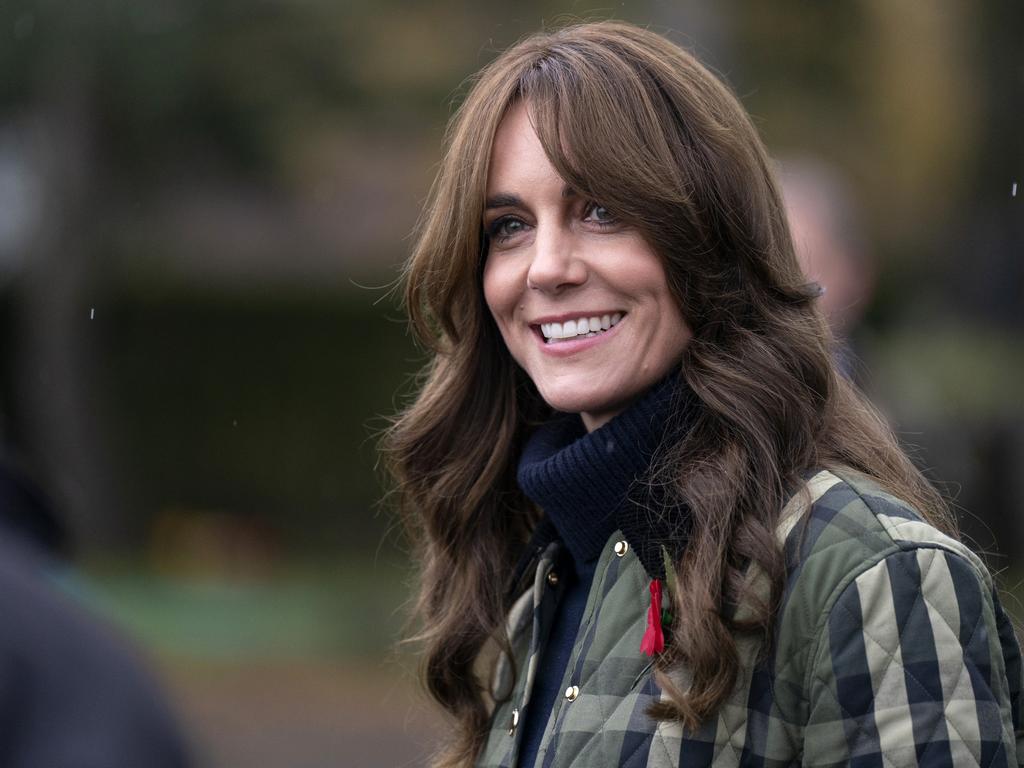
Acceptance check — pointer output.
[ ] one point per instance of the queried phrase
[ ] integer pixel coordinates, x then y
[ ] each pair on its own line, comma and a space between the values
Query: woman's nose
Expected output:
556, 263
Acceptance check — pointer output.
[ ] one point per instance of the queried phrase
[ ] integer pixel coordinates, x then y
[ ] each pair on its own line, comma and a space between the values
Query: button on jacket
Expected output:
890, 648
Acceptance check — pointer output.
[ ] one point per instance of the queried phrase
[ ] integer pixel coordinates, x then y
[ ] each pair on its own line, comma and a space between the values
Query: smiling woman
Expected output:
655, 526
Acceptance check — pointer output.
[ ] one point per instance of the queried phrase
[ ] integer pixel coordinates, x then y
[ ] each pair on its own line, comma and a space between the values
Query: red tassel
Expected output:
654, 637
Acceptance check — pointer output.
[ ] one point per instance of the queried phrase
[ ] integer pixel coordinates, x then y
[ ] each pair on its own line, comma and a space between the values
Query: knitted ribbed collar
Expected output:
590, 484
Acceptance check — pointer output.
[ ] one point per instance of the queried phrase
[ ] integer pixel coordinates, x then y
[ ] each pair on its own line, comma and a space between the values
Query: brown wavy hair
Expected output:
632, 121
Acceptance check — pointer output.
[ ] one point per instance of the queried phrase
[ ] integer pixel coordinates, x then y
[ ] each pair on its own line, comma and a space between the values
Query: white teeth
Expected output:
584, 326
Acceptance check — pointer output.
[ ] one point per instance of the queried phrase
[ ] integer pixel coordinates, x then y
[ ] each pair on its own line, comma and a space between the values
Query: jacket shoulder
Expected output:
842, 522
840, 525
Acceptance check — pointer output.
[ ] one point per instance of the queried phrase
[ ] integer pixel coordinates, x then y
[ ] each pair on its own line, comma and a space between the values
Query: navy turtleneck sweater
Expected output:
587, 485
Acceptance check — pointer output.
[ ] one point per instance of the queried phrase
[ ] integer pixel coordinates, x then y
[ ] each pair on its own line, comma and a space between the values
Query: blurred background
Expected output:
203, 204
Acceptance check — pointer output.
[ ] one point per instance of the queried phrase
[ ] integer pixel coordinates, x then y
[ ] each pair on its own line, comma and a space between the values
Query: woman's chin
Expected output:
590, 405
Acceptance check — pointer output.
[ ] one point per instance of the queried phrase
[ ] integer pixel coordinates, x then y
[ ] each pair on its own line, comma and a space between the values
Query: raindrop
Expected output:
1013, 190
92, 313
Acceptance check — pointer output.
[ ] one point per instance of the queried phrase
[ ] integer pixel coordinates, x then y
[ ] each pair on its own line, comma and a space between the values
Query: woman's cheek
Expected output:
500, 294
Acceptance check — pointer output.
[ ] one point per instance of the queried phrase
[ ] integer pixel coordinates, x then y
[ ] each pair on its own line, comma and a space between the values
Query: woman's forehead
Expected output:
518, 160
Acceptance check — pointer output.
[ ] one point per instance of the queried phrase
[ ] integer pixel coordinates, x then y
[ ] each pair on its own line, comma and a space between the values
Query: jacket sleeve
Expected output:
918, 664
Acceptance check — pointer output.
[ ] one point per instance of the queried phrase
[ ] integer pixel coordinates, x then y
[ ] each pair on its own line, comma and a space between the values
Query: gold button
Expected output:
552, 578
572, 692
515, 721
621, 548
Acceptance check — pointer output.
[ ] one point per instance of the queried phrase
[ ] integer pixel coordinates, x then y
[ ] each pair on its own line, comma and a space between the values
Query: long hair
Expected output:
634, 122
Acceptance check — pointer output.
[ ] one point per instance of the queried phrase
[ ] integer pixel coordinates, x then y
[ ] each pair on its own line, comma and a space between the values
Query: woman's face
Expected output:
581, 300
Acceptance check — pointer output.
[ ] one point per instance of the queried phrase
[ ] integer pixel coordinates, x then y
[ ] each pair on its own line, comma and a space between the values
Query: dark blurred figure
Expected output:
830, 246
72, 695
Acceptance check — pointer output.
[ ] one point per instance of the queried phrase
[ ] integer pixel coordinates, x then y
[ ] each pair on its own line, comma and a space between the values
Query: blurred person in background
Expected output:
656, 526
829, 243
72, 693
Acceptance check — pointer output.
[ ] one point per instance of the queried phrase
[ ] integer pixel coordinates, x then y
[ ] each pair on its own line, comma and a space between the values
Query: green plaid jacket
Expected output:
891, 649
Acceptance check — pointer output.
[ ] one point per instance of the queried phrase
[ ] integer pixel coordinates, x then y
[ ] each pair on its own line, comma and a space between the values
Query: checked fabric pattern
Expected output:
891, 649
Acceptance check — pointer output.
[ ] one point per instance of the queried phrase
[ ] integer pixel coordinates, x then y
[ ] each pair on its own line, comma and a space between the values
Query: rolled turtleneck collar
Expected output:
590, 484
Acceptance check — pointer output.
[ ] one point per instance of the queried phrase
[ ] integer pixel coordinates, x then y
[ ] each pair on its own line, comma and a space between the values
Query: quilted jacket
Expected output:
890, 649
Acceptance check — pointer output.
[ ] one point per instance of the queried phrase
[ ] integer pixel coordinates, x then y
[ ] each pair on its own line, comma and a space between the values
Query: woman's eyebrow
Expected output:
504, 200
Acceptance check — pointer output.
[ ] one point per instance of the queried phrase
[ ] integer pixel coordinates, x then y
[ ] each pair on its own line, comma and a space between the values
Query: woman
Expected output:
656, 528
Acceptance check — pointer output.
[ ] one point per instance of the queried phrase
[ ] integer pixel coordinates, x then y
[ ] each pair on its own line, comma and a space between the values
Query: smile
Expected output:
582, 327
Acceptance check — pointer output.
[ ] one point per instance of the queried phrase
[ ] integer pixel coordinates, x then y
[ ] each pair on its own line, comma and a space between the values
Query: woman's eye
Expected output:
600, 215
504, 228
